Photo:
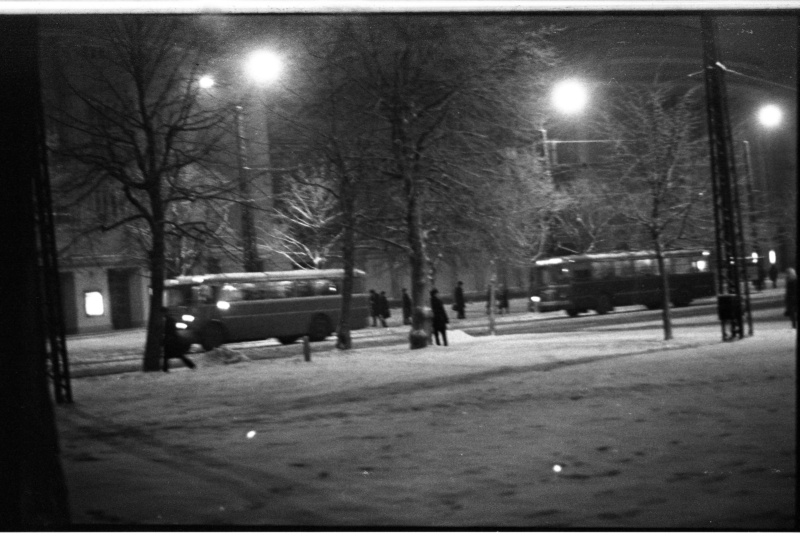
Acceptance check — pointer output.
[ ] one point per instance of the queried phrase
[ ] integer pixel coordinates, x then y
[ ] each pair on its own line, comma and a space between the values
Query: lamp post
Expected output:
262, 67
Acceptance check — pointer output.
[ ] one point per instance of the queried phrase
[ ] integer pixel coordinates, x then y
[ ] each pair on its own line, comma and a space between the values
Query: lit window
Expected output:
93, 303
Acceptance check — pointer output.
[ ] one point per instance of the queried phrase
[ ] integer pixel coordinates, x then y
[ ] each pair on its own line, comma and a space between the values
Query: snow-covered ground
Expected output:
596, 429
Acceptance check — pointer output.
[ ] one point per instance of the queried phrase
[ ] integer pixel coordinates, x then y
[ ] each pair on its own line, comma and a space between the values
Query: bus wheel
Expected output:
604, 305
213, 337
319, 329
288, 340
681, 298
572, 312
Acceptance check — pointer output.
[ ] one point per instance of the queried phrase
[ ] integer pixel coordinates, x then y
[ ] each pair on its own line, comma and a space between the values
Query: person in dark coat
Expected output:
791, 296
440, 319
174, 345
502, 299
406, 308
374, 307
459, 304
773, 275
383, 308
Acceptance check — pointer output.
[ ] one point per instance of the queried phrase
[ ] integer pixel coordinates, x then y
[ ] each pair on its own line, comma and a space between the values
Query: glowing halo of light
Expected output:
570, 96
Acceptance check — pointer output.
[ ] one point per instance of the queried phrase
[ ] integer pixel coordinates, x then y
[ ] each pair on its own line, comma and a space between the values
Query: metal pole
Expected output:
249, 252
723, 177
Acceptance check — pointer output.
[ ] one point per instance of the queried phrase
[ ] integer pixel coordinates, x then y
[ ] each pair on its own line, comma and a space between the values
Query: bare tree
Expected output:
657, 171
136, 122
438, 97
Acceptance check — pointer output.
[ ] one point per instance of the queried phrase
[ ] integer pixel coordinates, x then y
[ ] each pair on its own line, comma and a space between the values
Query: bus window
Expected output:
177, 297
604, 269
623, 268
279, 289
681, 265
325, 287
645, 266
304, 288
230, 293
203, 294
582, 274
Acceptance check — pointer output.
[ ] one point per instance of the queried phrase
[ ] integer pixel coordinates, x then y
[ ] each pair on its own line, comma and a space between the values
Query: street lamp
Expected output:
770, 115
262, 67
570, 96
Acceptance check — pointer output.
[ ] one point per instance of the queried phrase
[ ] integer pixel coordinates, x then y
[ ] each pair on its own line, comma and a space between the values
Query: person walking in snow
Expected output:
174, 345
406, 308
459, 305
440, 319
374, 307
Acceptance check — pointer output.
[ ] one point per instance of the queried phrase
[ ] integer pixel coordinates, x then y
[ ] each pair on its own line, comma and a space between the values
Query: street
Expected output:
121, 351
591, 429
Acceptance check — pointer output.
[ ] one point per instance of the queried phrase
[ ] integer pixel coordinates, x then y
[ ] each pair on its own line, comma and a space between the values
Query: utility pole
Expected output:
248, 229
731, 266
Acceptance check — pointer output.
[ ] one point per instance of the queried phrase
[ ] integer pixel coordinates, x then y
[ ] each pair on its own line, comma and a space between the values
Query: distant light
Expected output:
772, 257
536, 299
570, 96
706, 253
557, 468
264, 66
223, 305
93, 304
701, 265
181, 325
770, 115
251, 434
206, 81
754, 256
187, 318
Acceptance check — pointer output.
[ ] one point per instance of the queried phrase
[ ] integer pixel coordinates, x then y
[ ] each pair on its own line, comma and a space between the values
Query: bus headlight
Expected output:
187, 318
223, 305
536, 299
181, 325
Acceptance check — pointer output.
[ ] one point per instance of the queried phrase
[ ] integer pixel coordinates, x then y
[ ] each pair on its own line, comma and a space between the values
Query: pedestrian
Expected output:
773, 275
374, 307
760, 276
406, 308
174, 345
459, 304
383, 308
440, 319
791, 296
502, 299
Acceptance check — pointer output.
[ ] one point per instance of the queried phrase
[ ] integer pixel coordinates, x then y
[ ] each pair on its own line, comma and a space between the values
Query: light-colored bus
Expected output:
230, 307
602, 281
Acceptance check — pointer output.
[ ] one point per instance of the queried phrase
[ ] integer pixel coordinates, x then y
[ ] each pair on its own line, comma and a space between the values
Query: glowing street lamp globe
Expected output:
770, 115
206, 81
264, 66
570, 96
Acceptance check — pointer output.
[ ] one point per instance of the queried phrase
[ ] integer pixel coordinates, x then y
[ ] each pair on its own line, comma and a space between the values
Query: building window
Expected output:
93, 303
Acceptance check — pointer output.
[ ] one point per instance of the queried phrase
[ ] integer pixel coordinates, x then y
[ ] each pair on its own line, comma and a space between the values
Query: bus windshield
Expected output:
553, 275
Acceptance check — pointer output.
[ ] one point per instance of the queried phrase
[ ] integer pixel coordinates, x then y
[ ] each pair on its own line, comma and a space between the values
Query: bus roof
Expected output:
259, 276
620, 255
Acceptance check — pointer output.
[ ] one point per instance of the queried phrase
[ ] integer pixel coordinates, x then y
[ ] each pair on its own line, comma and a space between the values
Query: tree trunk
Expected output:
155, 322
343, 338
666, 316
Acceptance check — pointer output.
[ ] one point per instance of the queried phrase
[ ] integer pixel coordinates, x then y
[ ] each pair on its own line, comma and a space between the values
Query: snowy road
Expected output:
693, 433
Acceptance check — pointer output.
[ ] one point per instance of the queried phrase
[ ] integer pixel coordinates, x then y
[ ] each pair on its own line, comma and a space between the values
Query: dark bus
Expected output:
215, 309
602, 281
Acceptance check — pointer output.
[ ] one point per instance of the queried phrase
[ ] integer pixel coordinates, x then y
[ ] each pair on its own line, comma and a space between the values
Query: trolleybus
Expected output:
602, 281
216, 309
